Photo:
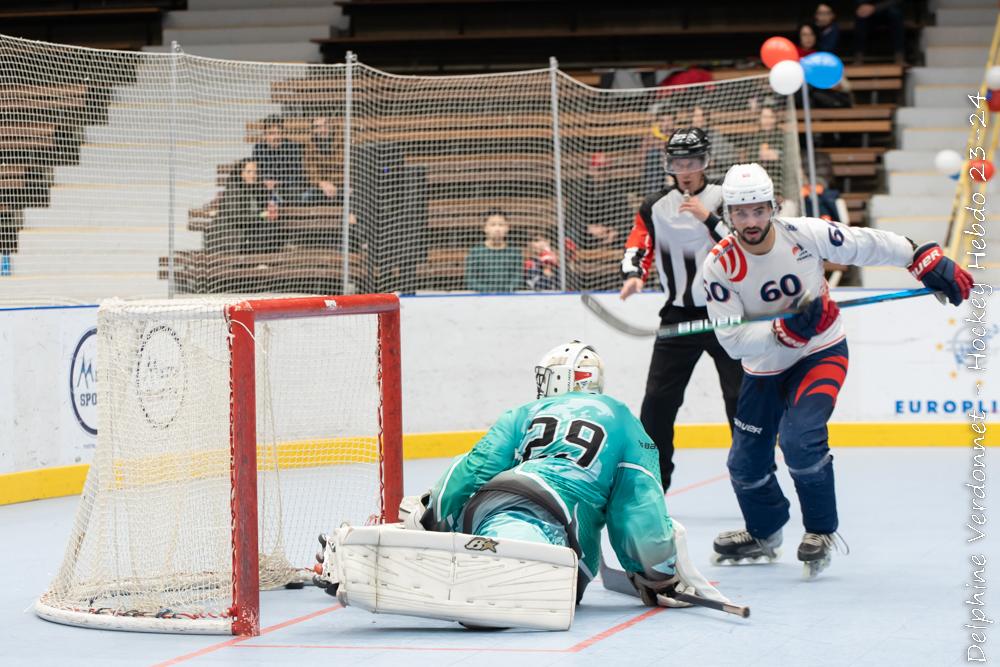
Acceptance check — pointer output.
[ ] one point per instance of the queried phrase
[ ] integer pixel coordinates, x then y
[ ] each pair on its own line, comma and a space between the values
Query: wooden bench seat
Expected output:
27, 136
299, 270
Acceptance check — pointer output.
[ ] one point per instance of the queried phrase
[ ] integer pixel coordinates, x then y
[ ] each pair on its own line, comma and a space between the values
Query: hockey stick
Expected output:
612, 320
701, 326
617, 581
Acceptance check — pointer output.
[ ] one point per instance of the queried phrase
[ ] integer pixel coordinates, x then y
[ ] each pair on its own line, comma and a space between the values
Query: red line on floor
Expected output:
586, 643
575, 648
409, 648
704, 482
238, 642
235, 641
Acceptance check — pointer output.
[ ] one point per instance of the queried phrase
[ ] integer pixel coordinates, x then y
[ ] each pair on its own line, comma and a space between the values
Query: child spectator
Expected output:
541, 268
494, 266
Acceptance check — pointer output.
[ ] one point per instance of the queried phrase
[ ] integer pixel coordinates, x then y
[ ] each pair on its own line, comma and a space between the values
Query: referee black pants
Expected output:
670, 370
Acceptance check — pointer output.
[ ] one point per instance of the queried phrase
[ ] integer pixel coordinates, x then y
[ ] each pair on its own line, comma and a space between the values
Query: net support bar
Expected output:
246, 594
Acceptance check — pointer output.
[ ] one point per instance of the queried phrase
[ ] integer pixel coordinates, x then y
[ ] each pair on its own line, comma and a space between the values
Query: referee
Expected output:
679, 225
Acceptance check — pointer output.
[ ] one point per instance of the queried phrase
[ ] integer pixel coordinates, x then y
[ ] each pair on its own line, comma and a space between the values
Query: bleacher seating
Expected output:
109, 24
472, 35
856, 168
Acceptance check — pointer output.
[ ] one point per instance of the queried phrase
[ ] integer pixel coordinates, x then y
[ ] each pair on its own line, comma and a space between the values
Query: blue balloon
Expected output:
823, 70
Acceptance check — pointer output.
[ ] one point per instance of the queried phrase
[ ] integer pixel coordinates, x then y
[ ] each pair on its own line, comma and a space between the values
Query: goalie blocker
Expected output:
475, 580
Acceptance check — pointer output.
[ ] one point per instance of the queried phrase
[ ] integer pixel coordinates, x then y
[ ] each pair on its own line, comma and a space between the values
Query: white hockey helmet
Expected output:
746, 184
572, 366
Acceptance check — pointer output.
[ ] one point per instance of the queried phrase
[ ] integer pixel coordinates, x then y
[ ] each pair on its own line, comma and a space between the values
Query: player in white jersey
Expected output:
679, 225
794, 367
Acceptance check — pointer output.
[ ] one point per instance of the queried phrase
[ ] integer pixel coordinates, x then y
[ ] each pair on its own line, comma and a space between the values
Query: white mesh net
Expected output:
137, 174
152, 546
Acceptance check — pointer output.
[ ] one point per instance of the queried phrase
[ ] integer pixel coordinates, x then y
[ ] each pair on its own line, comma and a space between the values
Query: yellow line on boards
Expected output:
18, 487
53, 482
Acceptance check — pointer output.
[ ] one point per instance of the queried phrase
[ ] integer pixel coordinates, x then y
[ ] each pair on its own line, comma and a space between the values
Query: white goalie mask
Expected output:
572, 366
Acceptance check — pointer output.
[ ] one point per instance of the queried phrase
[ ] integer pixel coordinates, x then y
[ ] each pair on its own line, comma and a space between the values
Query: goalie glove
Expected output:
411, 510
660, 593
687, 580
941, 274
688, 573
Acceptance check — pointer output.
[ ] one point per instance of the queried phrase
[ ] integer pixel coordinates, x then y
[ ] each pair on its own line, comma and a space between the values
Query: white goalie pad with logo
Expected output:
475, 580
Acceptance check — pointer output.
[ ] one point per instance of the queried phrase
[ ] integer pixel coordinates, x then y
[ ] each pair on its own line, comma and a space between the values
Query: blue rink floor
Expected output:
897, 599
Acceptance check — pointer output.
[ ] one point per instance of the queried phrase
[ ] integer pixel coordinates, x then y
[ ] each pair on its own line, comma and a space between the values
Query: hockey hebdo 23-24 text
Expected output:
978, 619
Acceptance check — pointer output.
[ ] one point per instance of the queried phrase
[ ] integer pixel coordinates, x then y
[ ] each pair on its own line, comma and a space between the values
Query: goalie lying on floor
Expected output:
511, 534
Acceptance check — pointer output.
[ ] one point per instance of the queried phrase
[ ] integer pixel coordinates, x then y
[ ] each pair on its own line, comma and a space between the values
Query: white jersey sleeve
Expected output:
747, 340
856, 246
742, 284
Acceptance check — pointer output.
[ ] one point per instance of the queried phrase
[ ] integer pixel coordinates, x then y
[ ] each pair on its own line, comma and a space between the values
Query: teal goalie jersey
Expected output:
588, 459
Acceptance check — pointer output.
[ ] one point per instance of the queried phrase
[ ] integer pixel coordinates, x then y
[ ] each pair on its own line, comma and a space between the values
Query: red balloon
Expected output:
981, 170
776, 49
994, 102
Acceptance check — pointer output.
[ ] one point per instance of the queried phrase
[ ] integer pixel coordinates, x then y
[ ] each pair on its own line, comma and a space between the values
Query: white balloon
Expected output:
993, 77
947, 162
786, 77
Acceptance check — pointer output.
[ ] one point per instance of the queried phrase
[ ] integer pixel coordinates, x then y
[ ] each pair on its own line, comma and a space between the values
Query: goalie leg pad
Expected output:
480, 581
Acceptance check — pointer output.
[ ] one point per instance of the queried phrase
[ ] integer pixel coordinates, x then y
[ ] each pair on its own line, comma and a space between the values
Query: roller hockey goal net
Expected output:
231, 434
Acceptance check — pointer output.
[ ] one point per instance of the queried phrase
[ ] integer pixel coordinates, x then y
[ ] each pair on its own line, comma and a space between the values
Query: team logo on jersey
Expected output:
800, 253
482, 544
728, 253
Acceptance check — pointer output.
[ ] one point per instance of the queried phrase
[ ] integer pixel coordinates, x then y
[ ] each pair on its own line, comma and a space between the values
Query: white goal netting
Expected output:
152, 547
160, 174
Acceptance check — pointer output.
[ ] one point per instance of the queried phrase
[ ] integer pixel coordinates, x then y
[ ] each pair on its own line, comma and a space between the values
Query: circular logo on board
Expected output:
160, 380
83, 382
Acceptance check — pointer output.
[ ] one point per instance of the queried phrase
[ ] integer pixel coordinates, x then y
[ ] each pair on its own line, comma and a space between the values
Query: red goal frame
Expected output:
242, 317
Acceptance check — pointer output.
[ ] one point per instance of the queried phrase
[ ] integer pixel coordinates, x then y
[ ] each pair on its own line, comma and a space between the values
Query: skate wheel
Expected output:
810, 569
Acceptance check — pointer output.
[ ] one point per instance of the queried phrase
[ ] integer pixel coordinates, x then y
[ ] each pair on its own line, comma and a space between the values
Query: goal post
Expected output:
231, 433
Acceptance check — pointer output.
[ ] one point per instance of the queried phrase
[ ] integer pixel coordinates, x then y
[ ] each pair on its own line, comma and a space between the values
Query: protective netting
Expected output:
152, 174
152, 545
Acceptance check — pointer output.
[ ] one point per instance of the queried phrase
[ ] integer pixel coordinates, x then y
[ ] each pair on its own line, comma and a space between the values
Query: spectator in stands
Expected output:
724, 154
867, 13
767, 140
827, 30
807, 40
826, 196
279, 161
320, 165
598, 212
247, 218
541, 268
663, 125
494, 266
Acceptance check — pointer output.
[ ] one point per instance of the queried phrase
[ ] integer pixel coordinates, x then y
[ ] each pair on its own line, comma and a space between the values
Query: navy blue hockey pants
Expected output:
792, 407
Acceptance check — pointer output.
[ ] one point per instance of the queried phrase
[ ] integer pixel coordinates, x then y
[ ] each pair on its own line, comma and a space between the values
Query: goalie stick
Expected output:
617, 581
701, 326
